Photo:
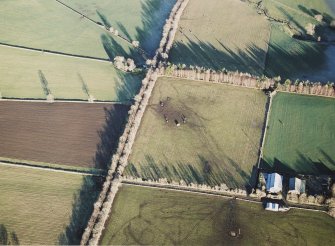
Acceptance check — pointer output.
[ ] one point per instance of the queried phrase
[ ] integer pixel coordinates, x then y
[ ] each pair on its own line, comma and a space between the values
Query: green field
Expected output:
57, 28
301, 135
140, 20
218, 143
145, 216
222, 34
45, 207
20, 77
298, 12
293, 58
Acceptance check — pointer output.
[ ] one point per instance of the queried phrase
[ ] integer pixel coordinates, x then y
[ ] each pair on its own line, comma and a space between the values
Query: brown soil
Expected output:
76, 134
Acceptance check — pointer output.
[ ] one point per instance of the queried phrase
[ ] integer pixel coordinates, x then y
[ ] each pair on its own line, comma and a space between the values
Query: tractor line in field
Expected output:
56, 53
49, 169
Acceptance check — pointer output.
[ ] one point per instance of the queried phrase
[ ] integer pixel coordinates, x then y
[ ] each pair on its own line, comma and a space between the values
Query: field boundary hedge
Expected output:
102, 207
249, 81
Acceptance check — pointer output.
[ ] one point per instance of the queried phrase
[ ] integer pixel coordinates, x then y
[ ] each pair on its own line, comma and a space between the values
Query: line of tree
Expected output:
247, 80
219, 189
223, 76
307, 87
104, 203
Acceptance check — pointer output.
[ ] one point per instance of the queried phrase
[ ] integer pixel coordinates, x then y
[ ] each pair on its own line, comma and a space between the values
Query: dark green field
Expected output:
218, 143
301, 135
161, 217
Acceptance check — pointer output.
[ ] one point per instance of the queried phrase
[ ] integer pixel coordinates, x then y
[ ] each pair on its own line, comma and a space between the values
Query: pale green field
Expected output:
46, 24
146, 216
19, 77
219, 142
37, 205
140, 20
222, 34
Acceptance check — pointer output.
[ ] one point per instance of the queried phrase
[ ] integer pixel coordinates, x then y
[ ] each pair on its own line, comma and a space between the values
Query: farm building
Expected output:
273, 206
274, 182
296, 186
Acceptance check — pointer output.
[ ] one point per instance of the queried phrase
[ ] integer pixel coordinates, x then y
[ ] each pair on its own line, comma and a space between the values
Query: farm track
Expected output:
141, 50
50, 169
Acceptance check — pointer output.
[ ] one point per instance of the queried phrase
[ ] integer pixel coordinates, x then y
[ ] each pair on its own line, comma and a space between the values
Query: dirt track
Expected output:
60, 133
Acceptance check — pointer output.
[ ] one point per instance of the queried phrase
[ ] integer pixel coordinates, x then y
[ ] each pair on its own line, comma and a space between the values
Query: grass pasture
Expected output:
219, 142
141, 20
222, 34
75, 135
28, 74
297, 59
38, 205
146, 216
301, 135
50, 25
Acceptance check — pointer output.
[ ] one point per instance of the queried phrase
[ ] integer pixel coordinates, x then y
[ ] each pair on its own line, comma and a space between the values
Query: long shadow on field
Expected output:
127, 85
44, 83
302, 166
207, 172
115, 121
84, 200
154, 14
82, 209
303, 60
8, 238
114, 48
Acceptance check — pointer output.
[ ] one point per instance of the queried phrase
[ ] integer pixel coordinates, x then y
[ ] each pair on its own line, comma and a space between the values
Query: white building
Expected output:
296, 186
274, 183
273, 206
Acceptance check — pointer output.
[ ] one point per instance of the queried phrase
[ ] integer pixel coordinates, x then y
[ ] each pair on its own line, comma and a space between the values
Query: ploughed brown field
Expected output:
72, 134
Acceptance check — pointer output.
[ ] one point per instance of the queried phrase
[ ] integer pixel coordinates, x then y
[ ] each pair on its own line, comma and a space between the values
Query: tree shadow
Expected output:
116, 118
114, 48
104, 19
44, 83
82, 209
153, 14
207, 172
84, 86
8, 238
205, 54
83, 201
302, 166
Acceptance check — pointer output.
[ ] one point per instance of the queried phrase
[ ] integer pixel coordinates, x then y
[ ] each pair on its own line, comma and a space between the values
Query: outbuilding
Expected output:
296, 186
274, 182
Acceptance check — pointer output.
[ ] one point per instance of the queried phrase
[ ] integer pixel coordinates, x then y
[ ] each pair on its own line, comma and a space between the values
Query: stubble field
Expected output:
218, 143
77, 135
